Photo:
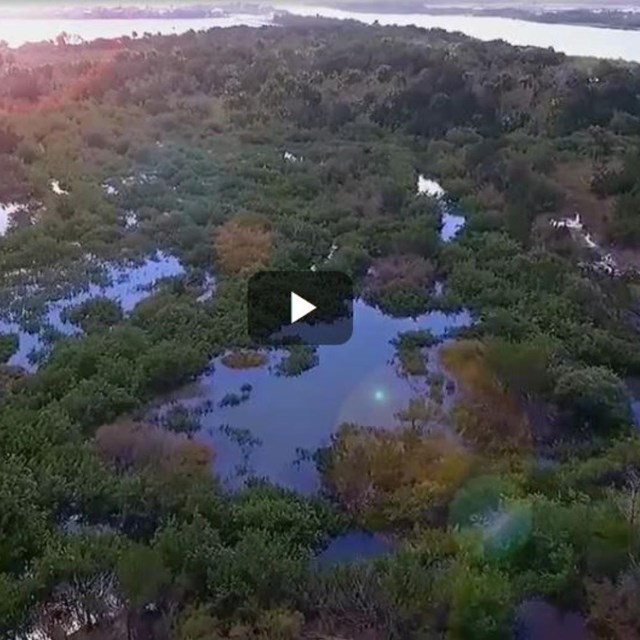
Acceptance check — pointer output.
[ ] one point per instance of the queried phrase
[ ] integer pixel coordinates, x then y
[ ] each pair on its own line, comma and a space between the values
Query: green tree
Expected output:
95, 314
9, 344
144, 579
594, 398
481, 604
180, 419
78, 572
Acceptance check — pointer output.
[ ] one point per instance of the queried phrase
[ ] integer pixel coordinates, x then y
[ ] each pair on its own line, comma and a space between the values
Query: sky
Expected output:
27, 5
17, 4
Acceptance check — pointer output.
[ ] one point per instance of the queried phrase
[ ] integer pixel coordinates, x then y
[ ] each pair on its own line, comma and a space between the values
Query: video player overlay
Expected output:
314, 308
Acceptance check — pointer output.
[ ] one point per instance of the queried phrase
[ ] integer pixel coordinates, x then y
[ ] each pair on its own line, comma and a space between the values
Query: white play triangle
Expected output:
300, 307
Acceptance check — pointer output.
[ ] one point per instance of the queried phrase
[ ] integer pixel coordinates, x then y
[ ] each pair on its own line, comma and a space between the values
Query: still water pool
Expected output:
356, 382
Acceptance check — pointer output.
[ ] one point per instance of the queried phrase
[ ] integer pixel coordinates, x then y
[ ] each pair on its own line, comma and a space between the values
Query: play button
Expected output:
300, 307
281, 311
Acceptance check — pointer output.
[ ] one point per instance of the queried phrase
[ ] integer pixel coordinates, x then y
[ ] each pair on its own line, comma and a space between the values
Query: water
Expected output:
17, 31
128, 285
356, 382
7, 211
429, 187
633, 384
452, 223
539, 620
573, 40
570, 39
452, 218
355, 545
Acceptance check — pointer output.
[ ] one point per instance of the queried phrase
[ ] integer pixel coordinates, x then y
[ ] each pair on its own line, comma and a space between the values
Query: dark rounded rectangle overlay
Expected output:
269, 307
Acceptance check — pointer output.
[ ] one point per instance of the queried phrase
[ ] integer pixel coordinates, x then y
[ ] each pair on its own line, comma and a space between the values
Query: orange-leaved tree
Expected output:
242, 245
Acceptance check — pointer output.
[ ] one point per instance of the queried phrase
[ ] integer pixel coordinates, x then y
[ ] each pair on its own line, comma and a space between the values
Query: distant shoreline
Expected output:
625, 19
622, 19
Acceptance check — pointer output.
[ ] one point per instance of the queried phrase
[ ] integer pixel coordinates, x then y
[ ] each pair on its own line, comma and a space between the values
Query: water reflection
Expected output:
452, 223
356, 382
7, 213
127, 284
452, 219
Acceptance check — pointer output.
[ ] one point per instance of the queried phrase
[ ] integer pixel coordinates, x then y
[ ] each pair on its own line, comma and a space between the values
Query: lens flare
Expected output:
379, 395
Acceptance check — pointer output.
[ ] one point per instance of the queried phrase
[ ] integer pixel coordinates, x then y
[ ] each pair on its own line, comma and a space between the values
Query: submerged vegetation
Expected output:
295, 148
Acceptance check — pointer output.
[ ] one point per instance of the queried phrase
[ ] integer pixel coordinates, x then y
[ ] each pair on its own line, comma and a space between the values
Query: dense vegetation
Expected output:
523, 486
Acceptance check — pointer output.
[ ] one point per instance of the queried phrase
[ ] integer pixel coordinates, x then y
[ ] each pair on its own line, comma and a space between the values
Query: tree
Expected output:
94, 401
594, 399
95, 314
142, 575
179, 419
614, 606
197, 623
23, 519
481, 495
422, 415
481, 604
262, 570
171, 363
9, 344
190, 550
24, 85
489, 415
391, 478
144, 581
79, 577
15, 601
399, 284
242, 246
9, 140
523, 366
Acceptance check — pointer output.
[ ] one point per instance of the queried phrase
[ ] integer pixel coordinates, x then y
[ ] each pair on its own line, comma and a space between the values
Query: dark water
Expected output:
633, 384
128, 285
539, 620
353, 546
